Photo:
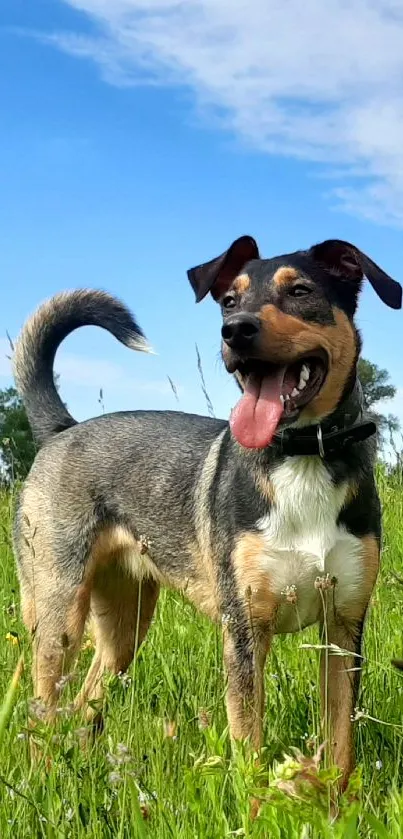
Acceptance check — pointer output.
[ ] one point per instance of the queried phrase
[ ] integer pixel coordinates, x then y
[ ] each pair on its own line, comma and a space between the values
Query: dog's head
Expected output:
288, 331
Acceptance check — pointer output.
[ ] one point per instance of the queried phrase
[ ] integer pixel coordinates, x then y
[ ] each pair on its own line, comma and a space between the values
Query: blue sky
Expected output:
140, 137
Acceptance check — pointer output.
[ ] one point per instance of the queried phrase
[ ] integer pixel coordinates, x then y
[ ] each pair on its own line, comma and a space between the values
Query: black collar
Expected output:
331, 437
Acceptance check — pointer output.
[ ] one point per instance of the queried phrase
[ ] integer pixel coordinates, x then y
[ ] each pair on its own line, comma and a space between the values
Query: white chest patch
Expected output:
303, 542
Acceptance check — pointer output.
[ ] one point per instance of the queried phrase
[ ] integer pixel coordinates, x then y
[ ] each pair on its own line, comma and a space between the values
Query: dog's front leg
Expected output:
340, 674
340, 680
244, 658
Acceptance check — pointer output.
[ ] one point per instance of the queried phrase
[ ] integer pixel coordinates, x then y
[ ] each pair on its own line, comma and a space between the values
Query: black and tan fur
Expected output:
117, 506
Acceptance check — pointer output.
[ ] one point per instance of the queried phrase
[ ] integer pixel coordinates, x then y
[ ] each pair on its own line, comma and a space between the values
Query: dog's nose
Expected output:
239, 331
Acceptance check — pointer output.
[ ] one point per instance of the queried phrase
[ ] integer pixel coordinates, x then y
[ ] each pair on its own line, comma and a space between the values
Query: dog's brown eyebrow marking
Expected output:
241, 283
285, 275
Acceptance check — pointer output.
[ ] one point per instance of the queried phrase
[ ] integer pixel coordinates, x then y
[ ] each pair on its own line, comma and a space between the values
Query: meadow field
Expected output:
163, 767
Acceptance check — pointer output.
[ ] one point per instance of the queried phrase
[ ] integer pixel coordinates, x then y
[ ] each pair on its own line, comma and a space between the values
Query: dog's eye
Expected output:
228, 301
299, 290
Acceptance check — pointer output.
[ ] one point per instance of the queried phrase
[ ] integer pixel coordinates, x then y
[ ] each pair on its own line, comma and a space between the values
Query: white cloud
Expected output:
315, 80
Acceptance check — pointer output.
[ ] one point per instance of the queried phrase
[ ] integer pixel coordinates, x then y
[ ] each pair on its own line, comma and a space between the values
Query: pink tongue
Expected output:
255, 418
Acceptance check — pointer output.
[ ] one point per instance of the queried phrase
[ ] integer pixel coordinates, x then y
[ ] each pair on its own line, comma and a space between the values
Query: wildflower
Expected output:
379, 764
69, 814
124, 679
115, 777
81, 733
204, 719
87, 645
290, 594
121, 757
325, 583
12, 637
358, 715
144, 544
61, 684
66, 710
23, 785
37, 709
144, 802
311, 742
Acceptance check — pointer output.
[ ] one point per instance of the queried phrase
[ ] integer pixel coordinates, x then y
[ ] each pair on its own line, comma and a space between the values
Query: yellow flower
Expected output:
87, 645
13, 638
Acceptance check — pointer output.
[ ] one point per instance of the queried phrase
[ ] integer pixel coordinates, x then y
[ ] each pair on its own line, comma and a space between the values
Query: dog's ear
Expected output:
217, 275
354, 265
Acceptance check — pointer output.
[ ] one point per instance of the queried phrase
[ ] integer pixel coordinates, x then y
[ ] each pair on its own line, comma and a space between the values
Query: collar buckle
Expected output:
320, 441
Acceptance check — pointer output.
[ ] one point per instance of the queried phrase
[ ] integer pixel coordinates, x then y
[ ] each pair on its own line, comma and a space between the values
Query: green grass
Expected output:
163, 767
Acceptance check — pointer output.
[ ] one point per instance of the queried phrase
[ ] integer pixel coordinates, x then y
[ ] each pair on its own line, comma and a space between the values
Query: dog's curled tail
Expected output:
39, 340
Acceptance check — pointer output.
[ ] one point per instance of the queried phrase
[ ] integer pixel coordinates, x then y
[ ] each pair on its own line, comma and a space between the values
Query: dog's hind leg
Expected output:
121, 609
56, 619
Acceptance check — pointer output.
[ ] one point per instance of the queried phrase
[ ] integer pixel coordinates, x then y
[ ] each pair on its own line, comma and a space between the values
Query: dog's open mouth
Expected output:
273, 394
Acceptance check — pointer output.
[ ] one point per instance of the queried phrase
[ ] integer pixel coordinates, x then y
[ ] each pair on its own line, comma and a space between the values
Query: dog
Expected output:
268, 523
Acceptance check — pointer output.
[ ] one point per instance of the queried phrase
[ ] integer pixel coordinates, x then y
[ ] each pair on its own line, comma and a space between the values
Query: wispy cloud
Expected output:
84, 372
318, 80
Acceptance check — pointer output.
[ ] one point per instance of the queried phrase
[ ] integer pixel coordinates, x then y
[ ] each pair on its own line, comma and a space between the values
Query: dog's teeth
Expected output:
282, 399
295, 392
287, 397
305, 373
